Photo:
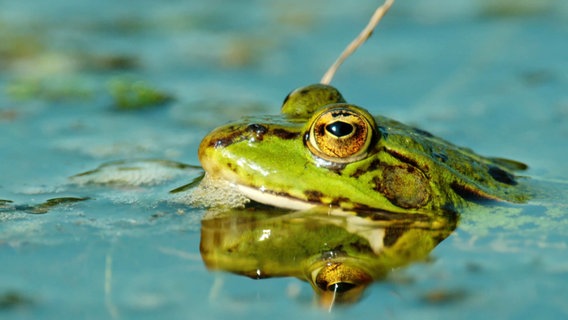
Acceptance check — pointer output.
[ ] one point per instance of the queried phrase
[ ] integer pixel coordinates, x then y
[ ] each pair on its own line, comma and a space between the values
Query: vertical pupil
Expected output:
339, 128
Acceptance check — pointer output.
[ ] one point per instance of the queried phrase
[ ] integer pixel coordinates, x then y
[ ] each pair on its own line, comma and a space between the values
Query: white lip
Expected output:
274, 200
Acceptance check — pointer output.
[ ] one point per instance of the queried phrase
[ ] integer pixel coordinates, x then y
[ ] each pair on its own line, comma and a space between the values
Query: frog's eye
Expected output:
340, 133
343, 281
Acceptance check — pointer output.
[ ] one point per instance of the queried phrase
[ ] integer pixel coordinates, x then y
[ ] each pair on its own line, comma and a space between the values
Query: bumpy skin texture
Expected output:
402, 169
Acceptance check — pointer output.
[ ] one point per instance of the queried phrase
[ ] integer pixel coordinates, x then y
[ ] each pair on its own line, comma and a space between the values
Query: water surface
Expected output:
86, 83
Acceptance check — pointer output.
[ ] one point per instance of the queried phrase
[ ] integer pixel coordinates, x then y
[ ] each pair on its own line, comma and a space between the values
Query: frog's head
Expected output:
312, 154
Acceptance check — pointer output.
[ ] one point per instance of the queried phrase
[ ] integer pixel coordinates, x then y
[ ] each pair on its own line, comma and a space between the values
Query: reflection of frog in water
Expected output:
338, 254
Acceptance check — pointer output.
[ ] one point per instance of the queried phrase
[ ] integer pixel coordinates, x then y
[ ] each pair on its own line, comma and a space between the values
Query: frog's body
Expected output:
322, 151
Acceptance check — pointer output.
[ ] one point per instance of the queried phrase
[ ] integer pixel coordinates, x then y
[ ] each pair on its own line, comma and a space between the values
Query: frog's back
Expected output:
463, 172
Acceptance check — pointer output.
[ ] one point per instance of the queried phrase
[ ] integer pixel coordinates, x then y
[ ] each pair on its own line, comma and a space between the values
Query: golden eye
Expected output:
340, 133
344, 282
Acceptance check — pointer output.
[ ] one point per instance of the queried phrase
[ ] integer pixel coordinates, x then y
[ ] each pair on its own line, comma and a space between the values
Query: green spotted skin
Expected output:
400, 169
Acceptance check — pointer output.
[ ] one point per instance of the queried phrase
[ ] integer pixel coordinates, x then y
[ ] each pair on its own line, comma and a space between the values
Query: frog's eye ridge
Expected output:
304, 101
340, 133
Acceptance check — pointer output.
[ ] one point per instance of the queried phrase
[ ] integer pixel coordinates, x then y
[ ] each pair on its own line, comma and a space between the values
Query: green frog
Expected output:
323, 151
339, 254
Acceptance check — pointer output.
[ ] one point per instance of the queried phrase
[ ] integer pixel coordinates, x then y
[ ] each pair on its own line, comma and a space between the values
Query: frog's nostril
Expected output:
257, 128
256, 131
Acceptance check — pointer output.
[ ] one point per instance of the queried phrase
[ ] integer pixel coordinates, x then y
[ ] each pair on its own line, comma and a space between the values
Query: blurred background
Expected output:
86, 82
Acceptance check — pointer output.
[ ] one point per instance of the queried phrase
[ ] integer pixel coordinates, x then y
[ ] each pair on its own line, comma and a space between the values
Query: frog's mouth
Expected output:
272, 199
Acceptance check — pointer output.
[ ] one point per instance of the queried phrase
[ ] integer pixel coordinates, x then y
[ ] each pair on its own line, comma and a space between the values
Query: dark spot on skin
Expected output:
383, 132
285, 134
359, 172
392, 235
340, 113
440, 156
468, 193
361, 247
502, 176
423, 132
362, 208
340, 200
313, 195
337, 168
403, 158
374, 165
382, 215
257, 128
227, 140
222, 143
336, 98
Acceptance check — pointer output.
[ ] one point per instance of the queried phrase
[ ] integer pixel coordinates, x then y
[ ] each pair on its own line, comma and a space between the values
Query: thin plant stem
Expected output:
358, 41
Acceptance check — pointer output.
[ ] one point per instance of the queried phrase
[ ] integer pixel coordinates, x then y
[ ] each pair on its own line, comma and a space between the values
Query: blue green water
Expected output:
489, 76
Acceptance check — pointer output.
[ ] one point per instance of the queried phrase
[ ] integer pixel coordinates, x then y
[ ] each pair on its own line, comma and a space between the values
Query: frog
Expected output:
322, 151
339, 255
